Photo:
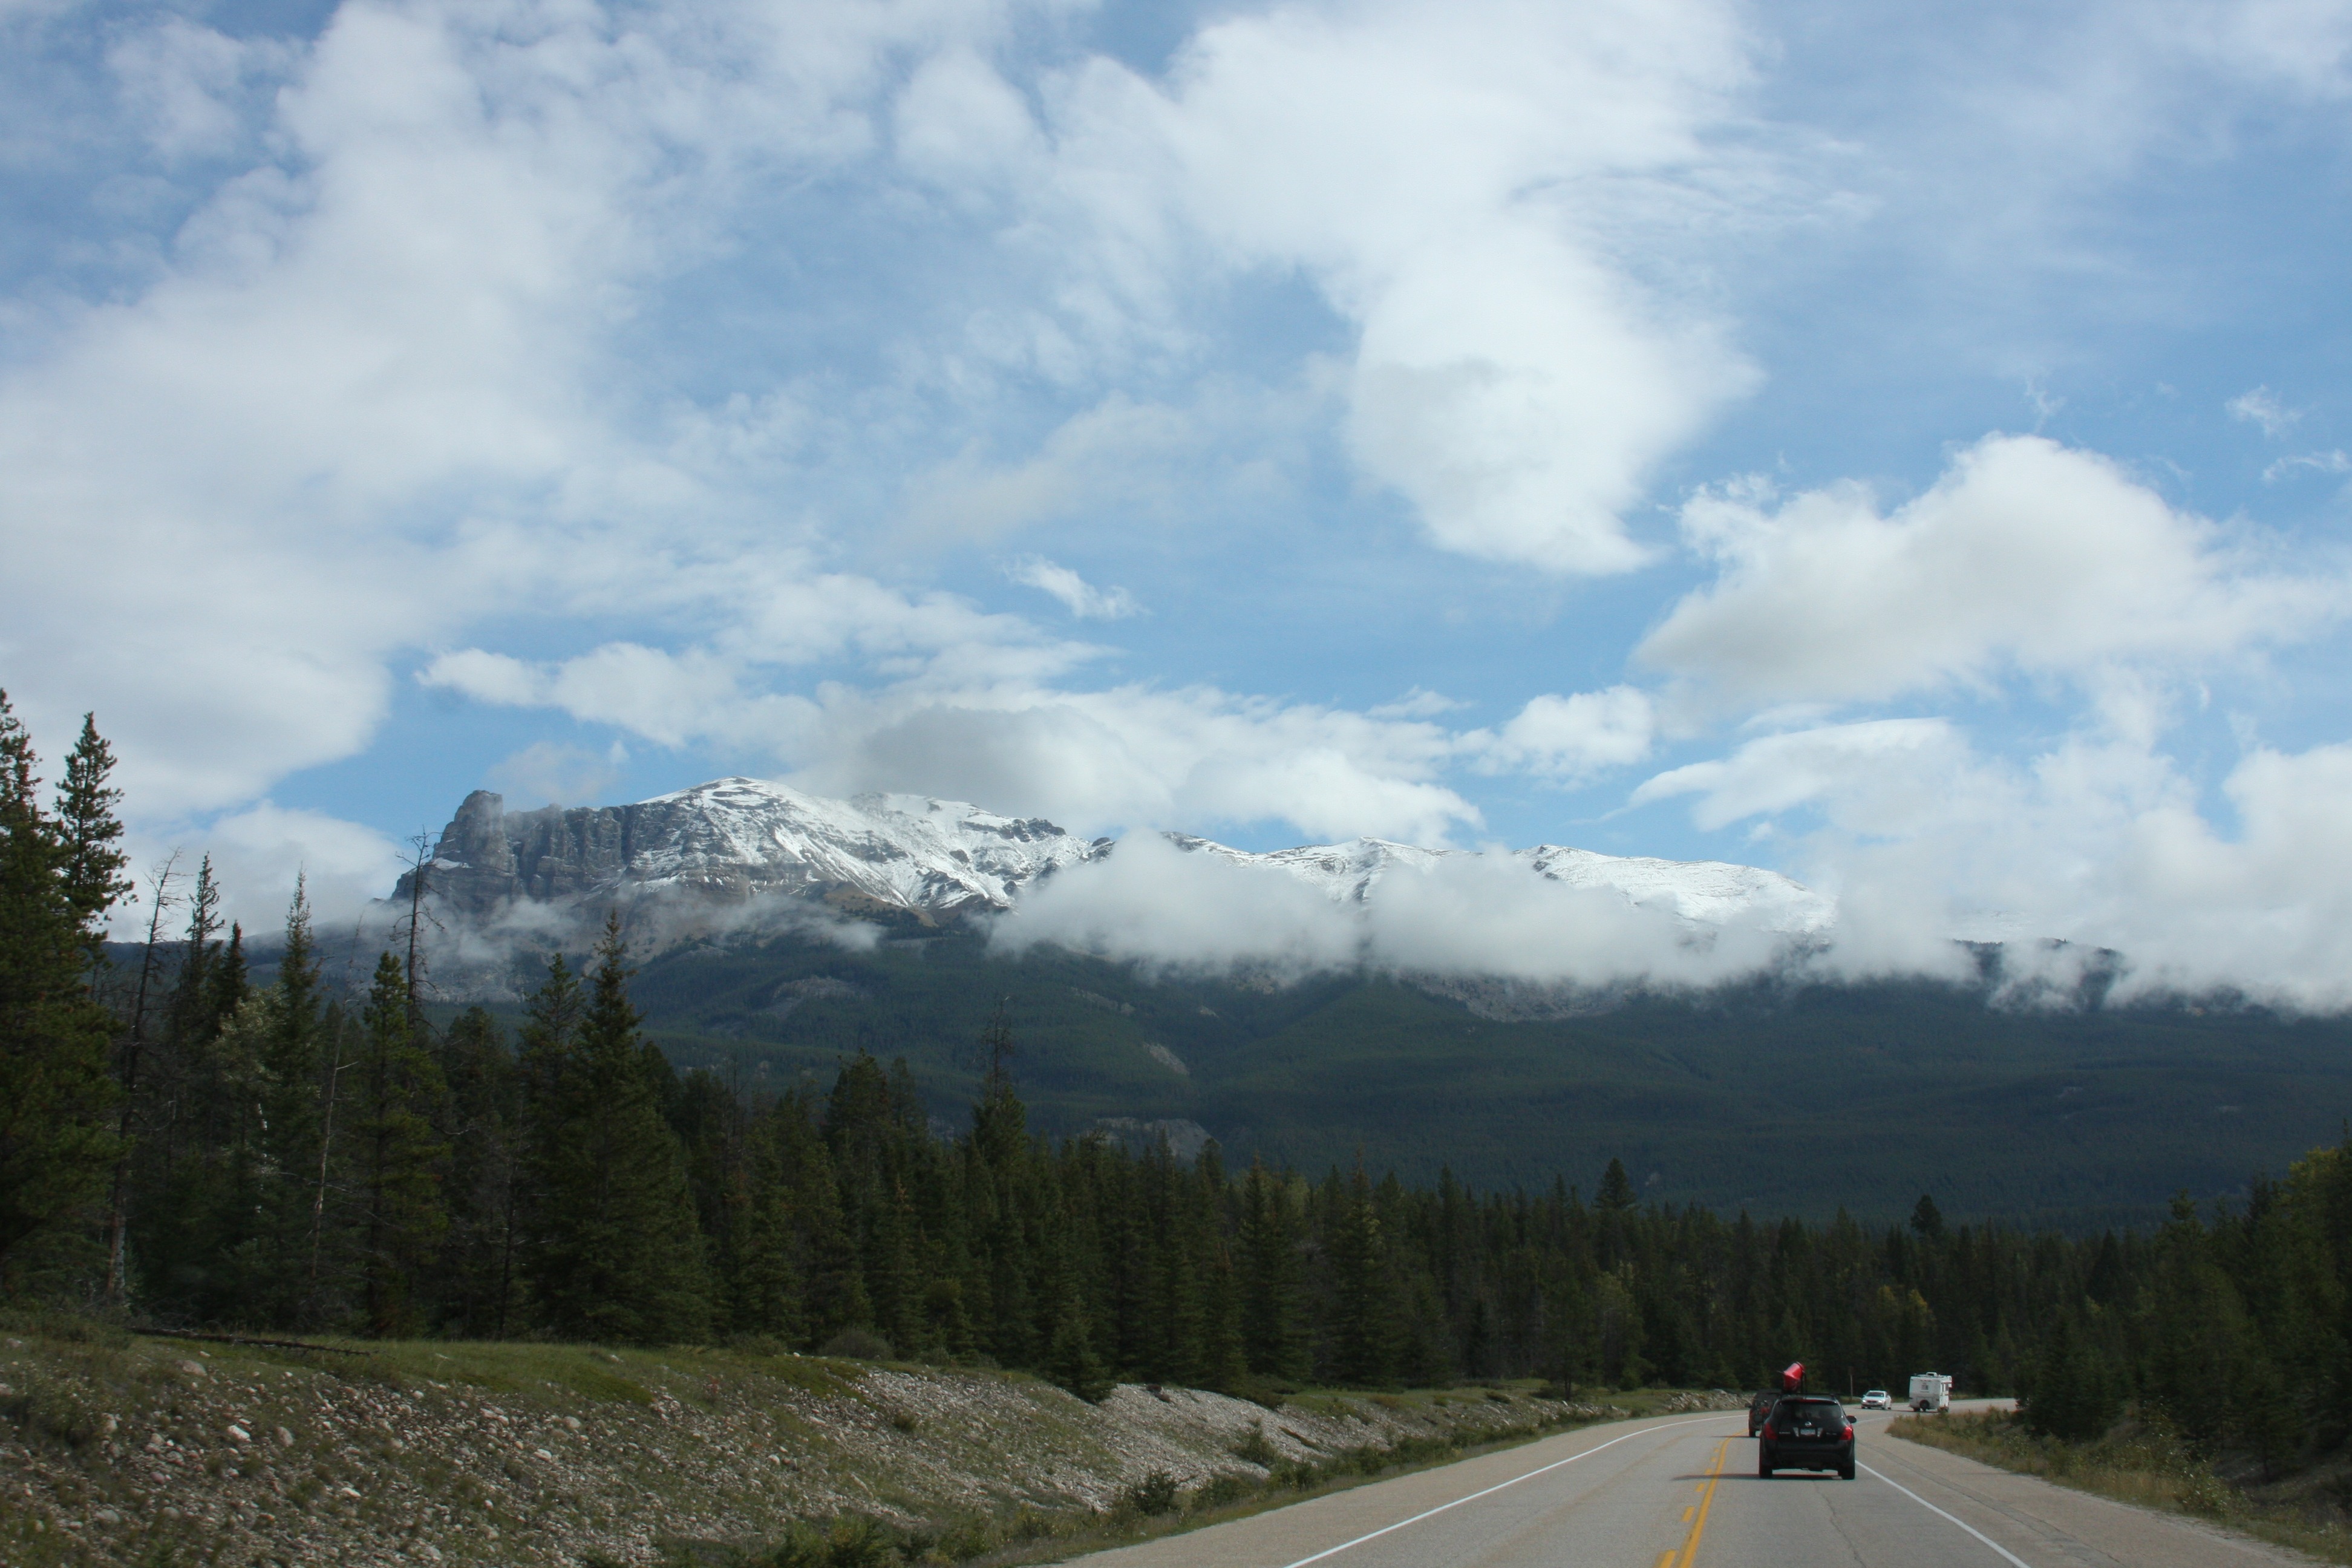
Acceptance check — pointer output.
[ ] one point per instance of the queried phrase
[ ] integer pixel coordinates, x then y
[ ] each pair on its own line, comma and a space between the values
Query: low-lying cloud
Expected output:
1464, 916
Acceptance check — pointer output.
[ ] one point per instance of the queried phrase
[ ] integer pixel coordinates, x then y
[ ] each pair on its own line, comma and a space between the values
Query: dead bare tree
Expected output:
159, 898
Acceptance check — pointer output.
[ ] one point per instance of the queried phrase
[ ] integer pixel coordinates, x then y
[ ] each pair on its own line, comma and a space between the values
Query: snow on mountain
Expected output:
736, 839
1703, 892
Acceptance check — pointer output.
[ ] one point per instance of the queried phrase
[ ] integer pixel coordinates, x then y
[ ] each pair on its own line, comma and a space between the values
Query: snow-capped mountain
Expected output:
1703, 892
733, 840
736, 839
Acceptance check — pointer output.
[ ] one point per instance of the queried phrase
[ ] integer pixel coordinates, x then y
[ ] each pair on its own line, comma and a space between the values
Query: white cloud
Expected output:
1089, 759
1570, 738
1117, 454
1139, 755
1077, 595
2333, 462
256, 853
2260, 407
2025, 555
185, 84
1457, 915
547, 773
374, 389
1779, 772
1457, 184
2096, 843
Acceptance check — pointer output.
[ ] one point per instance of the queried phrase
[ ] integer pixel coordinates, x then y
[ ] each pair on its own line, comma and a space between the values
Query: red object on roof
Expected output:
1793, 1375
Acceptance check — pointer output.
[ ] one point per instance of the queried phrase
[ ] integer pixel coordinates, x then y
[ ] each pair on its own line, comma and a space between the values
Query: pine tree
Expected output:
89, 835
1363, 1289
57, 878
400, 1153
291, 1093
476, 1288
824, 1251
190, 1209
618, 1255
765, 1293
1271, 1286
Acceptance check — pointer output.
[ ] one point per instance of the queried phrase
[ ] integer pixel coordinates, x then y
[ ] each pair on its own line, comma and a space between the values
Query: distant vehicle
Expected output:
1931, 1391
1806, 1431
1761, 1408
1877, 1399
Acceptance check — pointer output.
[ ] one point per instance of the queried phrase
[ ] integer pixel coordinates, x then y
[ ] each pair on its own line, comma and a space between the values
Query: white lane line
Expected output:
1515, 1480
1963, 1523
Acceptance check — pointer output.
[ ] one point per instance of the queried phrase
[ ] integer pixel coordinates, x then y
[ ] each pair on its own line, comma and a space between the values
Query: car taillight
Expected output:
1769, 1432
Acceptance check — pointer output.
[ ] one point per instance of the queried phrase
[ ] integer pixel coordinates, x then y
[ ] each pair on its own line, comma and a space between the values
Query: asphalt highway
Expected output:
1683, 1493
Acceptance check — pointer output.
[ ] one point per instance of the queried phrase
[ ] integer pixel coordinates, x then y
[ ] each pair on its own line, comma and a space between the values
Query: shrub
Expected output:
856, 1345
1154, 1495
852, 1541
1222, 1491
1255, 1448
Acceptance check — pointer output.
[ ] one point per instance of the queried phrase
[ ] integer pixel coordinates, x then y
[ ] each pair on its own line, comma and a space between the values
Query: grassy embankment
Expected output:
2147, 1465
123, 1449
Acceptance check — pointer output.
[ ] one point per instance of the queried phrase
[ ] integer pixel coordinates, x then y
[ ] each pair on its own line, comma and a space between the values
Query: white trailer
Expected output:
1931, 1391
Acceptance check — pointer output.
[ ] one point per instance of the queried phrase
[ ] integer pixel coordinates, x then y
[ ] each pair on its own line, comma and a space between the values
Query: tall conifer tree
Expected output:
476, 1286
619, 1255
57, 878
400, 1153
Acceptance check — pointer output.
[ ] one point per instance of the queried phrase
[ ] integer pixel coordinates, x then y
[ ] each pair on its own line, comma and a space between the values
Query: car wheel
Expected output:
1764, 1465
1845, 1472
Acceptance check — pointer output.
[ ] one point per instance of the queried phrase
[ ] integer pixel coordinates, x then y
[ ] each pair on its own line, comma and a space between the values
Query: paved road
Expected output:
1683, 1493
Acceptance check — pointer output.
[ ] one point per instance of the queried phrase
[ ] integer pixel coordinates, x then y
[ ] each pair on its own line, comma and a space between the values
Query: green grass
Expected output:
2138, 1463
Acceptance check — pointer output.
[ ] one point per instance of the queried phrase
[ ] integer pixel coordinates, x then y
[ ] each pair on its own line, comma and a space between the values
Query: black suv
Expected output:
1806, 1431
1759, 1408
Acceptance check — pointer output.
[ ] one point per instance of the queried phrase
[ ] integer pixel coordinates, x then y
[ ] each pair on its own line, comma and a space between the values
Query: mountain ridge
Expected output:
737, 839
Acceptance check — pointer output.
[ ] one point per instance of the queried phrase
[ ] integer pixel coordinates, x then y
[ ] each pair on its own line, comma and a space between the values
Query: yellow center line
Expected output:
1683, 1556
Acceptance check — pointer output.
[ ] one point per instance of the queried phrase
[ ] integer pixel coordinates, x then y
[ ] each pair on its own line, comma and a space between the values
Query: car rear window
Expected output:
1820, 1412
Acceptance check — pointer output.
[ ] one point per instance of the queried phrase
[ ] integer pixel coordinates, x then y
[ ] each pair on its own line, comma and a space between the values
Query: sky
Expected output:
1905, 450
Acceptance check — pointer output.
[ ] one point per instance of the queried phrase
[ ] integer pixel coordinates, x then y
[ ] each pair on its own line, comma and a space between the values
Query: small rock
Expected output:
108, 1427
430, 1552
194, 1368
573, 1422
351, 1492
107, 1516
543, 1454
238, 1434
284, 1439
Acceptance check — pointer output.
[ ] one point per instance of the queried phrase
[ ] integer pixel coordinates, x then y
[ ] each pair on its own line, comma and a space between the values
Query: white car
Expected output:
1876, 1399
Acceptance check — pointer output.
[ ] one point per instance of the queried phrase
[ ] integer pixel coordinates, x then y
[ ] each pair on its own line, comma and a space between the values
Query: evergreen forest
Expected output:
183, 1146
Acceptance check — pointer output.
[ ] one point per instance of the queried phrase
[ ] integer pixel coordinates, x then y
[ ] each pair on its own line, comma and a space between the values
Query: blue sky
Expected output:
1905, 452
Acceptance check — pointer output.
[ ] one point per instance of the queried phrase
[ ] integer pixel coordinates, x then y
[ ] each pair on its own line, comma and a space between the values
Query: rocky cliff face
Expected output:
737, 839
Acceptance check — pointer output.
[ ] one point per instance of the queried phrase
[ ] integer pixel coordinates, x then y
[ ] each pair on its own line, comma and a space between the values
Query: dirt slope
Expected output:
156, 1450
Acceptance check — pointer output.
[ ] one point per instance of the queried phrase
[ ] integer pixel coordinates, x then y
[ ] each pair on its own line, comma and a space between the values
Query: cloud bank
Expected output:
829, 390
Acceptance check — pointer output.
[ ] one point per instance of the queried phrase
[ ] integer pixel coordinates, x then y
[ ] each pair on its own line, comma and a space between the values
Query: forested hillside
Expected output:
2078, 1116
